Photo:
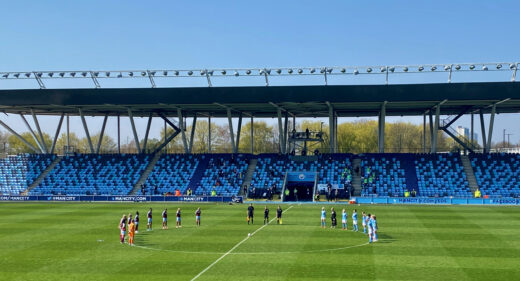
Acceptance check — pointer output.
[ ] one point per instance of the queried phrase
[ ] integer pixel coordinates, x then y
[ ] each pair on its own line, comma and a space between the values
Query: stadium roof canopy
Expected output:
265, 101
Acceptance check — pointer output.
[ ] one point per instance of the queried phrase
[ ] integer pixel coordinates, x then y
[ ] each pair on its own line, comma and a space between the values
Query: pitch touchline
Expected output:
234, 247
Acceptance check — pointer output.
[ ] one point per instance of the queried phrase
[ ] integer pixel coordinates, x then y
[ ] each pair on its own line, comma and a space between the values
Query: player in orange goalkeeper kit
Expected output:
131, 233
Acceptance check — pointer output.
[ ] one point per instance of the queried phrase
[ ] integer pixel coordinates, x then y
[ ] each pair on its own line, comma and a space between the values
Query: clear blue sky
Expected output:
50, 35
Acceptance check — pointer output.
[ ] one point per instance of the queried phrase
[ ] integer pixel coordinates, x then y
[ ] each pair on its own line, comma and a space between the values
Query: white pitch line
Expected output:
234, 247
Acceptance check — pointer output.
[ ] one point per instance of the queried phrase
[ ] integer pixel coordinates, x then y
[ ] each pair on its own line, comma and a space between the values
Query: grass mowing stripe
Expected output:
236, 246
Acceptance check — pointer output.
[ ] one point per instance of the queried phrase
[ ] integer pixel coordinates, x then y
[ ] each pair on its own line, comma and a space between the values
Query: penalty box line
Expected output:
234, 247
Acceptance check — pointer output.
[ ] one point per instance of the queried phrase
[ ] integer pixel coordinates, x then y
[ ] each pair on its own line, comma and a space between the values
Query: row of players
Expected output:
368, 221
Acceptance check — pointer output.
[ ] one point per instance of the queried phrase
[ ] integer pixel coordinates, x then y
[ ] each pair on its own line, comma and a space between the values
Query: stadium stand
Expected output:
19, 171
171, 172
498, 175
441, 175
94, 174
382, 175
224, 173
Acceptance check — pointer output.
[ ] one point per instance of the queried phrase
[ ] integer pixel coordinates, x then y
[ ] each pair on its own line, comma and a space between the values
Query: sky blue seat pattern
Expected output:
498, 175
94, 174
173, 171
18, 172
440, 175
382, 175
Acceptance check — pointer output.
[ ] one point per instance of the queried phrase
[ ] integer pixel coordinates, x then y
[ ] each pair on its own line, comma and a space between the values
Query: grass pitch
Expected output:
79, 241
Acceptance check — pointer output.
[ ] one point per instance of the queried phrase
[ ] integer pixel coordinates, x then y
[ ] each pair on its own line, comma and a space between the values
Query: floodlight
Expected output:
5, 75
322, 70
176, 72
447, 67
356, 72
223, 72
392, 69
289, 71
421, 68
202, 72
62, 74
279, 71
236, 73
72, 74
329, 70
120, 75
210, 72
248, 72
142, 73
499, 66
131, 74
343, 70
27, 74
96, 74
405, 69
165, 73
300, 71
39, 74
50, 74
484, 67
190, 72
383, 69
107, 74
16, 75
512, 66
152, 73
313, 70
369, 70
434, 68
457, 67
472, 67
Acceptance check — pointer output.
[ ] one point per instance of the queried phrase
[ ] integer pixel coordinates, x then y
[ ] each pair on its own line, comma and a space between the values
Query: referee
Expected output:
250, 213
279, 215
266, 215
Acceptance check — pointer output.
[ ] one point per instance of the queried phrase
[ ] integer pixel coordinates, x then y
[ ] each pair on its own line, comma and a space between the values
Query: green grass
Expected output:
79, 241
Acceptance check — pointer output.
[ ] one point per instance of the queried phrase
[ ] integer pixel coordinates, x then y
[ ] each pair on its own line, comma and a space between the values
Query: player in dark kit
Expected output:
178, 221
266, 215
279, 215
250, 213
165, 219
197, 217
149, 224
136, 221
333, 218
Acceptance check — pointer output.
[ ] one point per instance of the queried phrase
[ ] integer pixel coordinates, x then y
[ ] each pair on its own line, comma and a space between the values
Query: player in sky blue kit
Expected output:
374, 228
323, 217
344, 220
370, 228
354, 221
364, 222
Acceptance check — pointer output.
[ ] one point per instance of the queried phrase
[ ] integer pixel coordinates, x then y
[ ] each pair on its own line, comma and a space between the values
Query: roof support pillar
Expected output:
42, 140
85, 127
231, 134
18, 136
490, 129
102, 133
239, 128
134, 131
209, 134
68, 133
483, 131
118, 134
436, 128
145, 142
252, 135
431, 129
281, 139
424, 133
32, 133
331, 128
381, 131
472, 128
192, 136
183, 130
57, 134
285, 132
